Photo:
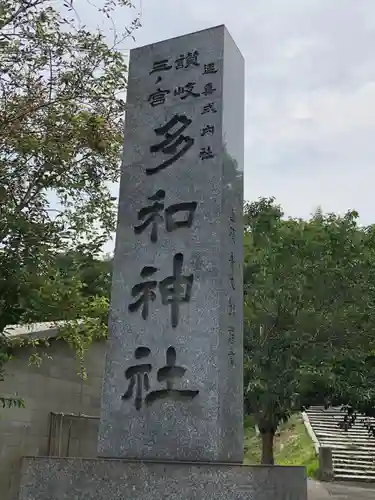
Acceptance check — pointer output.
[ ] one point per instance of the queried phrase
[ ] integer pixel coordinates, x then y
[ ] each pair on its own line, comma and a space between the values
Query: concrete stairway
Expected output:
353, 451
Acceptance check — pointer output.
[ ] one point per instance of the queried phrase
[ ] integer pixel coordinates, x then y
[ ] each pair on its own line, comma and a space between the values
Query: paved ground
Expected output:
316, 491
339, 491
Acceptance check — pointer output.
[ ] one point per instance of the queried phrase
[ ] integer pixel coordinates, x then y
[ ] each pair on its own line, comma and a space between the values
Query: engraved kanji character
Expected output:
179, 62
208, 89
209, 68
191, 59
152, 215
176, 288
231, 278
231, 259
209, 108
231, 355
206, 153
172, 223
169, 374
231, 334
161, 65
207, 130
158, 97
138, 376
231, 307
232, 233
186, 91
145, 291
186, 60
171, 142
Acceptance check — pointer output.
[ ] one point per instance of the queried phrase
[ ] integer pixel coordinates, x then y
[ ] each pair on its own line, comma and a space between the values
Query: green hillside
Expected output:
293, 446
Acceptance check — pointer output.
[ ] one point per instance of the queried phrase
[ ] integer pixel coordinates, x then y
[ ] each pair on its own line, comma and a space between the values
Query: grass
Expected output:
292, 446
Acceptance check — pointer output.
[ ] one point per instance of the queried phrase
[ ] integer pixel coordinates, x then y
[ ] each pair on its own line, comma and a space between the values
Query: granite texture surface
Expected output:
101, 479
173, 378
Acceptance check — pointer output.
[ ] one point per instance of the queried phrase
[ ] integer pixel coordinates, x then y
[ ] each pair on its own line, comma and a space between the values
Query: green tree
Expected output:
61, 123
72, 279
94, 272
309, 311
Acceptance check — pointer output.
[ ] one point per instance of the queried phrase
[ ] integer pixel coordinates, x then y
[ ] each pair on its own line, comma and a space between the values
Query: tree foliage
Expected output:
61, 124
309, 314
77, 292
95, 273
61, 121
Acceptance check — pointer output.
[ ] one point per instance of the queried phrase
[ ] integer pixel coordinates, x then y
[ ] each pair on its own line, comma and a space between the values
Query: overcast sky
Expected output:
310, 93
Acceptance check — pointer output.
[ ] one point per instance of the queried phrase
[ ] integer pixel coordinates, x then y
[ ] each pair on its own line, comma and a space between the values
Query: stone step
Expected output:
353, 450
338, 425
336, 421
321, 408
354, 477
351, 432
353, 472
328, 441
350, 472
354, 463
325, 416
340, 432
335, 409
339, 439
335, 412
325, 441
368, 459
328, 414
338, 414
338, 418
333, 419
339, 446
344, 435
346, 439
354, 453
335, 427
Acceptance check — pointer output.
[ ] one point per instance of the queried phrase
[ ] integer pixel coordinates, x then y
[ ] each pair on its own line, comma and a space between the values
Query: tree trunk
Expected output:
267, 447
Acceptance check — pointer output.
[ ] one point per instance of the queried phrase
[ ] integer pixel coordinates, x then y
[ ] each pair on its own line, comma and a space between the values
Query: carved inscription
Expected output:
139, 387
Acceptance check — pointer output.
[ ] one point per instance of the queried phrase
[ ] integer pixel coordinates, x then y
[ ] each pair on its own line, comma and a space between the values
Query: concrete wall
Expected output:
53, 387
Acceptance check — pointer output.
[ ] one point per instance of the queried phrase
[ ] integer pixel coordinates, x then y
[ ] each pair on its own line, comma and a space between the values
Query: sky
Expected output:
310, 93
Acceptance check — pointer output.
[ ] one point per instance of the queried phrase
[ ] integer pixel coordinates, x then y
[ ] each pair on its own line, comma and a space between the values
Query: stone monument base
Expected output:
116, 479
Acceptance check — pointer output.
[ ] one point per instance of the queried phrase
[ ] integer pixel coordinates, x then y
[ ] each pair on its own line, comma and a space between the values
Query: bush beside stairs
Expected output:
353, 451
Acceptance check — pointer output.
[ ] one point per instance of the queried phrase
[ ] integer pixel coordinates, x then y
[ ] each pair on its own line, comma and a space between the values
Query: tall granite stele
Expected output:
172, 404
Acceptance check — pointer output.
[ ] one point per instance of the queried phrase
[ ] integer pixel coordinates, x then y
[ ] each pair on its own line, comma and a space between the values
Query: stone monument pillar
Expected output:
173, 379
172, 403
